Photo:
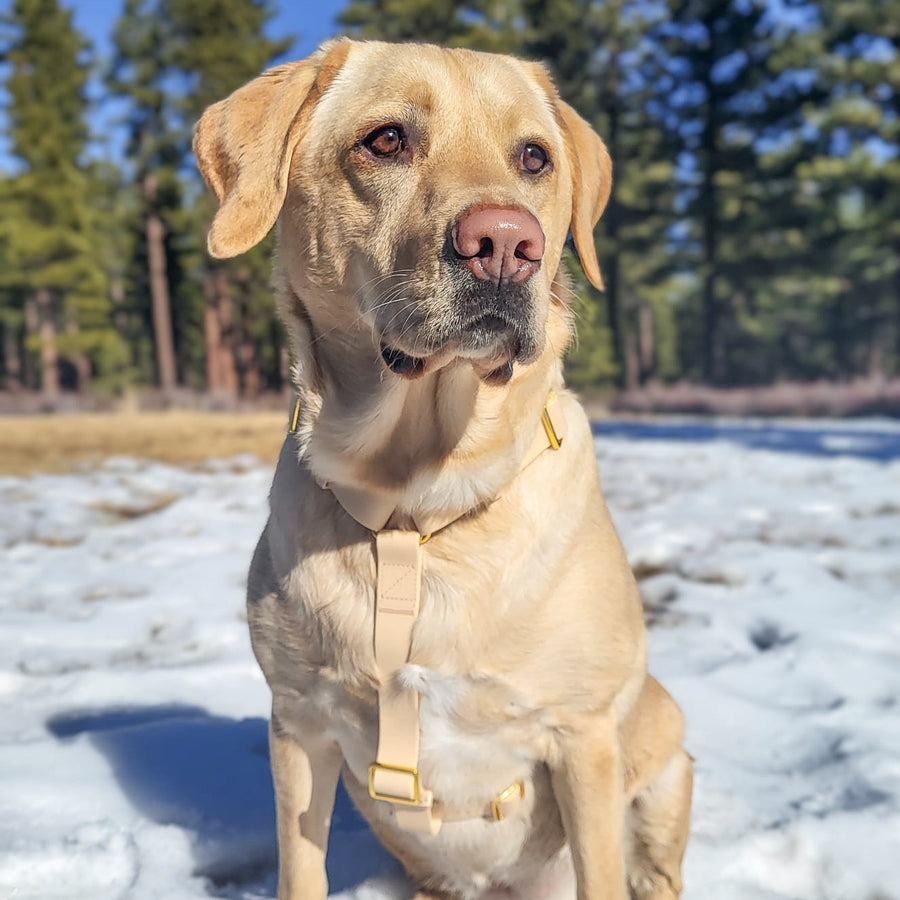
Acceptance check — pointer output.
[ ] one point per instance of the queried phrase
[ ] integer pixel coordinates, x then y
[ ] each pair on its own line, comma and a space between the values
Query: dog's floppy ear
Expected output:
591, 184
591, 175
244, 145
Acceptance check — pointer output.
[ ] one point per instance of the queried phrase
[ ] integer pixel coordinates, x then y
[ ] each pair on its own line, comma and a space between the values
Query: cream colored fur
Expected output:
529, 652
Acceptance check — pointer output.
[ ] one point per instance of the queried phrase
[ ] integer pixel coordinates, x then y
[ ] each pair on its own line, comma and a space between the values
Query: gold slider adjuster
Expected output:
554, 439
391, 798
295, 418
516, 788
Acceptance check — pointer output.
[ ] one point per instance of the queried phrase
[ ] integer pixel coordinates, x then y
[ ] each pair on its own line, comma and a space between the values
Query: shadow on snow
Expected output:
179, 765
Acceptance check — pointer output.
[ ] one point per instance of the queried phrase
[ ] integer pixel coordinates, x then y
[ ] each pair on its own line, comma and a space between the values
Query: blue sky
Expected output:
309, 21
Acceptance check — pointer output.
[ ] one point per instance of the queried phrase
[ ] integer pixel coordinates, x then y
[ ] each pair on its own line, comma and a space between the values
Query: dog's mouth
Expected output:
401, 363
491, 342
484, 332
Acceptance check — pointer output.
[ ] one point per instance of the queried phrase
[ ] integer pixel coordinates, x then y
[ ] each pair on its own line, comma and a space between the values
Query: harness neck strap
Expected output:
373, 509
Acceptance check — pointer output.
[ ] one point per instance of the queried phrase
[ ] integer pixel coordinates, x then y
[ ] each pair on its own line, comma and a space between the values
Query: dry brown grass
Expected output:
61, 443
863, 397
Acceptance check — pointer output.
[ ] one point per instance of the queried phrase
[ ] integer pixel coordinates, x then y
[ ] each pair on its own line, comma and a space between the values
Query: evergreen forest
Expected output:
752, 236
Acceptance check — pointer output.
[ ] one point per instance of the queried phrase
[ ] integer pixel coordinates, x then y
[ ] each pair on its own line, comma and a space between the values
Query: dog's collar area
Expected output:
399, 554
373, 509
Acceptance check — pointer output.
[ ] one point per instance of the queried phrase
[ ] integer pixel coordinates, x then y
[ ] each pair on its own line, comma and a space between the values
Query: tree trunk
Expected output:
228, 379
211, 334
120, 316
12, 359
158, 275
839, 333
875, 357
248, 362
646, 342
250, 368
221, 367
611, 277
32, 338
629, 376
79, 358
895, 320
159, 296
612, 290
49, 355
632, 355
712, 352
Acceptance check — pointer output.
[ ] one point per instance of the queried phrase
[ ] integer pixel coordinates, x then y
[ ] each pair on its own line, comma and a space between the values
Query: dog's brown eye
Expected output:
386, 141
534, 158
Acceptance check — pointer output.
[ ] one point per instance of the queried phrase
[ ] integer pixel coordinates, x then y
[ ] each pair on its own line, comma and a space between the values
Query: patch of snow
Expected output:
133, 744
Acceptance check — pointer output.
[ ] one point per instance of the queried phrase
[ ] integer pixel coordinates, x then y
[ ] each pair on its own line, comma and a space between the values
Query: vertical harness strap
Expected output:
394, 776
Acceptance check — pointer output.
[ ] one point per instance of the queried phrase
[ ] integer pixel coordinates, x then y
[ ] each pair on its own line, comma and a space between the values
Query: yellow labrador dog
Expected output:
439, 601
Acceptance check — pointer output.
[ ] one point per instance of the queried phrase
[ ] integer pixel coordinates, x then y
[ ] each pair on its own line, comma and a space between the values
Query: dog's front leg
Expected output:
305, 777
589, 787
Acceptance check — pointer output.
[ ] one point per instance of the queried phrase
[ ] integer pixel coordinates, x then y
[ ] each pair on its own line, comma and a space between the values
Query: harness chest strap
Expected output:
394, 776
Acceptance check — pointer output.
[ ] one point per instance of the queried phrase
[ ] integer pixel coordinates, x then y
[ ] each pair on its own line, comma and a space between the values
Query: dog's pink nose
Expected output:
499, 243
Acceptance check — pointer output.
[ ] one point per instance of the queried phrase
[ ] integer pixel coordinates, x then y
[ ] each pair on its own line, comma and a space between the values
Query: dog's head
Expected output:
424, 196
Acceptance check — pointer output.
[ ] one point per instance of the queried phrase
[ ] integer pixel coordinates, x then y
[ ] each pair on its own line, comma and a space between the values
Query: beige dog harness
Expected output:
394, 776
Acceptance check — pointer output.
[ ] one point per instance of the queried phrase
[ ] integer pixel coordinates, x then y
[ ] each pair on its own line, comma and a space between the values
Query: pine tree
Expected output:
855, 176
118, 241
218, 45
476, 24
12, 306
784, 310
50, 229
138, 73
704, 95
735, 93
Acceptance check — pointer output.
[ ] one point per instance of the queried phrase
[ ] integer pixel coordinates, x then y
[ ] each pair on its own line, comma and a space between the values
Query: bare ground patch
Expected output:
66, 442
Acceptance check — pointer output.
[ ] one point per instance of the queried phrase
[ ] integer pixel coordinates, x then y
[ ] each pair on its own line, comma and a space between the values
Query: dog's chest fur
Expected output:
480, 726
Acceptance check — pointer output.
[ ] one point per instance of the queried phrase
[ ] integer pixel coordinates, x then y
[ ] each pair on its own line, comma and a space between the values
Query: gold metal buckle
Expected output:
517, 787
390, 798
547, 422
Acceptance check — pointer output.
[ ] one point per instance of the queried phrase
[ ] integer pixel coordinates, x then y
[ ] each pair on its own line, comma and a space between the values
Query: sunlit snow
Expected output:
132, 714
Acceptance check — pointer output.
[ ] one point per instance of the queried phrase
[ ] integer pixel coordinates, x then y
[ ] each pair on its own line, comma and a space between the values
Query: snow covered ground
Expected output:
132, 715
